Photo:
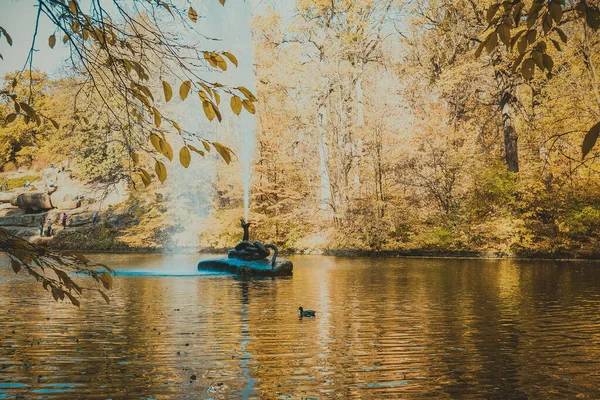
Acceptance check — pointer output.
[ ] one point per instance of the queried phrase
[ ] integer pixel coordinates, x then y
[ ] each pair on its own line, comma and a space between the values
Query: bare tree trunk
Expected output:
360, 123
325, 200
511, 149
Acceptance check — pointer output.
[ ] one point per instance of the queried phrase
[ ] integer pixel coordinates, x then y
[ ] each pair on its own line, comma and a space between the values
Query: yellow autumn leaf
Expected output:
161, 171
224, 151
185, 157
231, 58
166, 150
249, 106
247, 93
168, 91
208, 110
176, 126
184, 89
157, 119
236, 105
193, 15
155, 140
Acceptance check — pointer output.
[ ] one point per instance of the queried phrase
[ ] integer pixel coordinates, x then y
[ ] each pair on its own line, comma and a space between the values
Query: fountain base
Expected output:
281, 267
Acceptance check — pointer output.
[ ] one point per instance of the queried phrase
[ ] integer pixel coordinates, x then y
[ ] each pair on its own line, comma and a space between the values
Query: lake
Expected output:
385, 328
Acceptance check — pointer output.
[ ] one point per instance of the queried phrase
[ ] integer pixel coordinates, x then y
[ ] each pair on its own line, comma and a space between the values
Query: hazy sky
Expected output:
18, 18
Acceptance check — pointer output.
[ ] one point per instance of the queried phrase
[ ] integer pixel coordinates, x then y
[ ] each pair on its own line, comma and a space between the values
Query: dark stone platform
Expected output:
282, 266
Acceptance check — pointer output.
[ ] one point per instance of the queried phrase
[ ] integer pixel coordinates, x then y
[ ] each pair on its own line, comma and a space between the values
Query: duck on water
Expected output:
306, 313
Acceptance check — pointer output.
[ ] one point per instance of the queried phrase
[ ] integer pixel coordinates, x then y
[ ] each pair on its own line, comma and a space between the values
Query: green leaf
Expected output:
185, 157
184, 89
168, 91
590, 140
161, 171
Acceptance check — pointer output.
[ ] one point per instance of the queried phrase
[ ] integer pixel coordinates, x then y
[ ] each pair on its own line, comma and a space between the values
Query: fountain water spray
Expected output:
189, 189
239, 19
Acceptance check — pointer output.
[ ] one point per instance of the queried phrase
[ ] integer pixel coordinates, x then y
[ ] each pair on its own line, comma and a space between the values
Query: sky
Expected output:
18, 18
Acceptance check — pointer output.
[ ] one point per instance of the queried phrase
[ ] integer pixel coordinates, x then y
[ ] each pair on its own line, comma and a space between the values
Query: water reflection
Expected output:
391, 328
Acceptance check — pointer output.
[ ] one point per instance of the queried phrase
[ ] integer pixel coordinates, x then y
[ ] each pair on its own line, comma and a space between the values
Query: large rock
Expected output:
28, 220
7, 210
64, 201
33, 201
7, 197
282, 266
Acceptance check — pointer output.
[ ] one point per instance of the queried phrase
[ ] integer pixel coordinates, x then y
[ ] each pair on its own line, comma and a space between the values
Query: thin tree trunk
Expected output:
510, 133
325, 198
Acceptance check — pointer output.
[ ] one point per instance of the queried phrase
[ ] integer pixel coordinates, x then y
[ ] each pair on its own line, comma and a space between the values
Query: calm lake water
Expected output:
385, 328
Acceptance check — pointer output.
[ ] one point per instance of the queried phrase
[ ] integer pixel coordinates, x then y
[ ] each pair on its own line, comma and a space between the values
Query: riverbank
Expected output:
119, 231
102, 248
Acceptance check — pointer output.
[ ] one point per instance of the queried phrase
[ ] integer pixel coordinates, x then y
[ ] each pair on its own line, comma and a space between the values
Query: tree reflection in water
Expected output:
405, 328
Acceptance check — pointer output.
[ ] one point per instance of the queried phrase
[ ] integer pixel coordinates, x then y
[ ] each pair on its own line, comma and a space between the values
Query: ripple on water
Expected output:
384, 329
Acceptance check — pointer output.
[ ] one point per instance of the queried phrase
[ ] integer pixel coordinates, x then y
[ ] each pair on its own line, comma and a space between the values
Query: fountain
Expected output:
250, 259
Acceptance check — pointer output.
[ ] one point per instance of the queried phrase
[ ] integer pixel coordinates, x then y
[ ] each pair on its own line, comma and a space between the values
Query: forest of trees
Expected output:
381, 129
383, 125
